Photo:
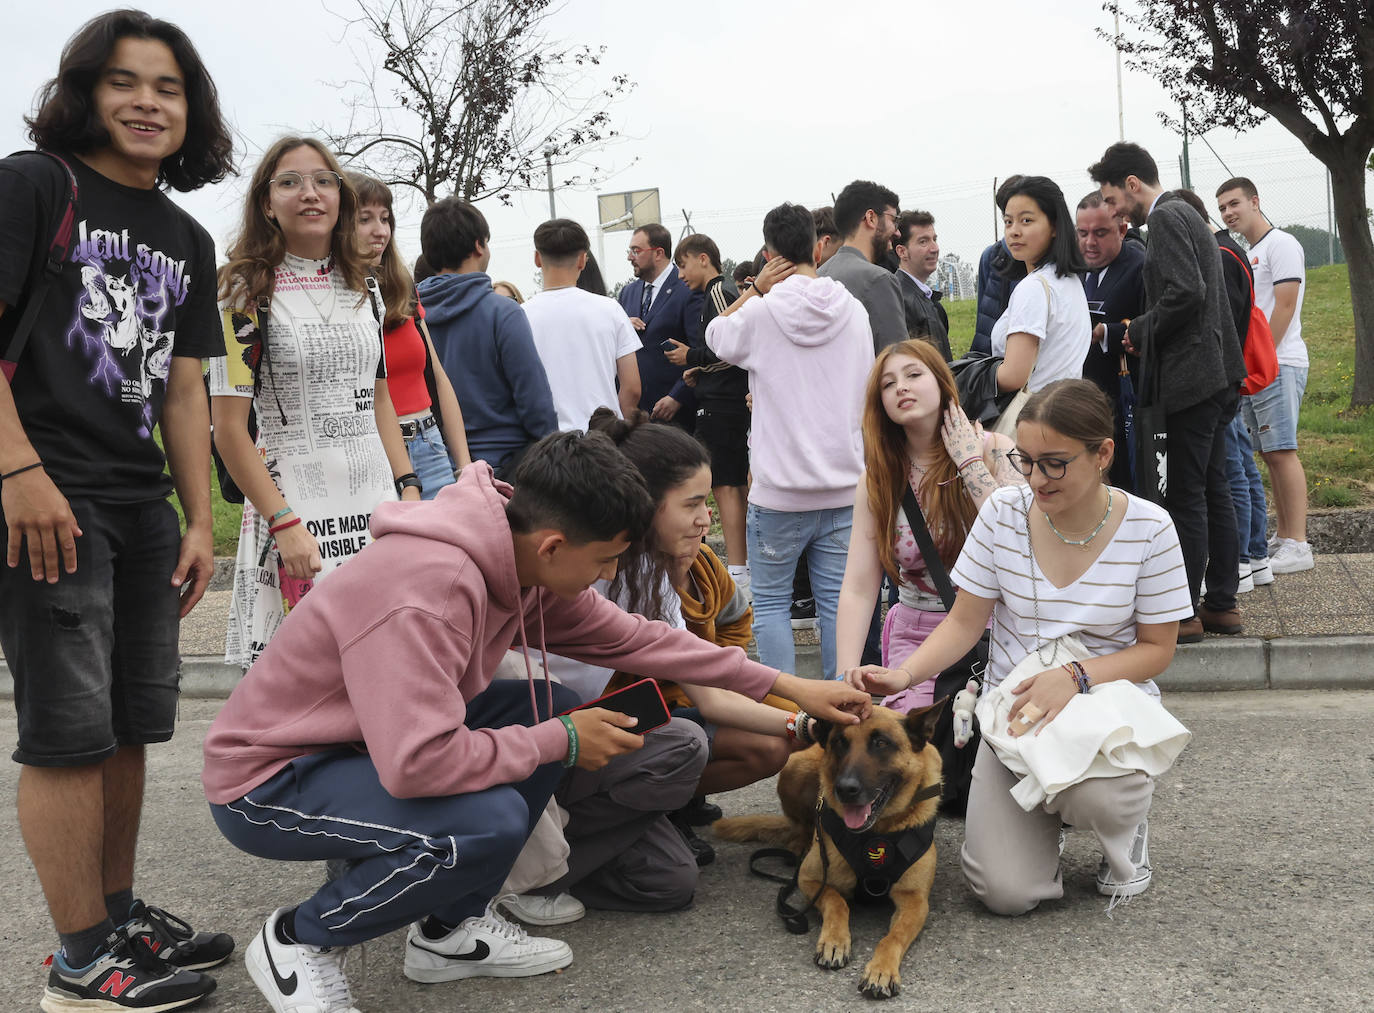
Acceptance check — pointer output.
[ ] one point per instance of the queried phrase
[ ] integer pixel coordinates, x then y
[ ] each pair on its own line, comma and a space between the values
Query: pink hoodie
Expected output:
388, 651
808, 350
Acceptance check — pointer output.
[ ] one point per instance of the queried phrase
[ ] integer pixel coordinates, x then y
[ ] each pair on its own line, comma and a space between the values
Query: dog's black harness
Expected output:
878, 860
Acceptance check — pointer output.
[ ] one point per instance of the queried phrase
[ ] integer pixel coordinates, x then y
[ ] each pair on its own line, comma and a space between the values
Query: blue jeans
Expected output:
408, 857
1247, 491
776, 539
430, 461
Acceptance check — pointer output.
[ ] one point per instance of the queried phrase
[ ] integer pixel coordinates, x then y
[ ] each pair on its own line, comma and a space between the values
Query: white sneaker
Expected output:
1139, 881
1293, 557
485, 946
1274, 543
1247, 582
532, 909
298, 978
1260, 573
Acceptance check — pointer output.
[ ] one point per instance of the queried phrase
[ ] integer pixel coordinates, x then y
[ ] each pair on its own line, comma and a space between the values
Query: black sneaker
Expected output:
128, 975
701, 851
700, 813
175, 941
804, 613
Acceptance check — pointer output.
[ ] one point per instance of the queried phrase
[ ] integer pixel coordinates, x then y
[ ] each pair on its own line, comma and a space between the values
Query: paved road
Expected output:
1263, 894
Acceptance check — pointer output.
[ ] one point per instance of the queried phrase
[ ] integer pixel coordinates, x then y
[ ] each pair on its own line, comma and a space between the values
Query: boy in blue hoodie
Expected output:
483, 340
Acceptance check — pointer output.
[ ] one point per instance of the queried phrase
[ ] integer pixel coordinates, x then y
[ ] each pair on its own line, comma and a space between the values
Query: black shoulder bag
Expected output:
958, 762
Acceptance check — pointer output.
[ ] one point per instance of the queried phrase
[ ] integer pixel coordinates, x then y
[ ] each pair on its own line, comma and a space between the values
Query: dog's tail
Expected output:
773, 828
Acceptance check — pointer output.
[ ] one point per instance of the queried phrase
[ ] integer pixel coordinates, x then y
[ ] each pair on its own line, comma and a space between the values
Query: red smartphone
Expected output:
642, 700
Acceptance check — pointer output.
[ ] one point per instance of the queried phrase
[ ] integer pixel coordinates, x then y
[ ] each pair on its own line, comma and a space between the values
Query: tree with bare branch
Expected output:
1309, 64
469, 98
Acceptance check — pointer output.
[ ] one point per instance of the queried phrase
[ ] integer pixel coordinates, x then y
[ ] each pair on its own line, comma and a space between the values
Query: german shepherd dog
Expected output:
882, 779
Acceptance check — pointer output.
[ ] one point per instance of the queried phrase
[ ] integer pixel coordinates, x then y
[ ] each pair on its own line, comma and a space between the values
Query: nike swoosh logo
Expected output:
479, 951
286, 986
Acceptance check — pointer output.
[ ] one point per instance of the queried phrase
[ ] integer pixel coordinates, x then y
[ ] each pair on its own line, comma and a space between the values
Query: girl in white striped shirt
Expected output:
1065, 555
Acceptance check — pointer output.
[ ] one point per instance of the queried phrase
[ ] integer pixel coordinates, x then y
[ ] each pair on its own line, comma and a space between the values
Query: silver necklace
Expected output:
1035, 595
1082, 543
326, 315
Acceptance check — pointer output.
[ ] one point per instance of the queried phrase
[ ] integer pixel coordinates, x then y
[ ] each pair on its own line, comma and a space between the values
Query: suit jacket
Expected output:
1187, 328
1122, 295
875, 288
676, 314
925, 318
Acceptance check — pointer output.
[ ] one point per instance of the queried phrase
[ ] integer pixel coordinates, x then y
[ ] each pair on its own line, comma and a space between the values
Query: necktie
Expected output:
646, 299
1091, 287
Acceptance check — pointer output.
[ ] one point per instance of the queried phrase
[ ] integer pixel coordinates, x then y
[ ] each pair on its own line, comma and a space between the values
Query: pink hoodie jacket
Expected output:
808, 350
388, 651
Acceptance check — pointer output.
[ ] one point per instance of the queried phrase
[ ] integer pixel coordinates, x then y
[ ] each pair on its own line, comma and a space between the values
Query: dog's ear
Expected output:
820, 732
920, 723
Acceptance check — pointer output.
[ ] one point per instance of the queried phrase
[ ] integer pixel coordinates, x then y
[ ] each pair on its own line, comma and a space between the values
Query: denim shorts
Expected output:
430, 461
1272, 414
94, 656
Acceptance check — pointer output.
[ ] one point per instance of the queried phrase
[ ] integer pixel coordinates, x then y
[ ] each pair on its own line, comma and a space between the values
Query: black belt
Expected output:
412, 428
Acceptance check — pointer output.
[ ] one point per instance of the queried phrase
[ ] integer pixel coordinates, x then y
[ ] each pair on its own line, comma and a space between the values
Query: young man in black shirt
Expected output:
722, 415
97, 571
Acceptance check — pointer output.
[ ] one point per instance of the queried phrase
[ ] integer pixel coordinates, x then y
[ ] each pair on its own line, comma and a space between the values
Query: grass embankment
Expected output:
1335, 441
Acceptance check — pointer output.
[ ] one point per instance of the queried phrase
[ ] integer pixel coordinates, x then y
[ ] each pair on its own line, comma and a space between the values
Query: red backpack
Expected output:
1261, 357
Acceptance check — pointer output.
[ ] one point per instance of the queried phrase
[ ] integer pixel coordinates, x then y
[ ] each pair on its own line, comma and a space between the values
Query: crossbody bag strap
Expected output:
431, 382
934, 564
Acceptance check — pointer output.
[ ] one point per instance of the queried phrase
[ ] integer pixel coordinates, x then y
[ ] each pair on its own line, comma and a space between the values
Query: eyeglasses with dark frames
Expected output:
1051, 467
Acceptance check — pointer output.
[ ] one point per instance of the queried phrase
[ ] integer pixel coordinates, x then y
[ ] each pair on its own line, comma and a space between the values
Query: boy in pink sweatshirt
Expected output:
808, 348
370, 729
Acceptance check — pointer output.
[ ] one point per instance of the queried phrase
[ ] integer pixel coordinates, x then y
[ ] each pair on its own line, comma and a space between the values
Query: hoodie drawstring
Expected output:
544, 657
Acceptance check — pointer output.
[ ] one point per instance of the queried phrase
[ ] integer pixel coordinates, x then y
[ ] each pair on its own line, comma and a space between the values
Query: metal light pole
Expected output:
548, 176
1120, 106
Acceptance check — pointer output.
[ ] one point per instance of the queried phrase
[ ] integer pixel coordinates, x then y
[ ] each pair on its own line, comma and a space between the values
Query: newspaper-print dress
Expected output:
317, 434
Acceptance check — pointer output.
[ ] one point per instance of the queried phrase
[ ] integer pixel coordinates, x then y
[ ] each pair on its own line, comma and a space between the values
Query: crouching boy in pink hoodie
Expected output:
370, 729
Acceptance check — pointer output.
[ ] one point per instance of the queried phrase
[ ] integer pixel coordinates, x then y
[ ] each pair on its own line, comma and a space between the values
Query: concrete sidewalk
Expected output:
1259, 900
1311, 630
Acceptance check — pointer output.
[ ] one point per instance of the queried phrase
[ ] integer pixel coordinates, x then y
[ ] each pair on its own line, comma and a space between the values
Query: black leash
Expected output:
794, 919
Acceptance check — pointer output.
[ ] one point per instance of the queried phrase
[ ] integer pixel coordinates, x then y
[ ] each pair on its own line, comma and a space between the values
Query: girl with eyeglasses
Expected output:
325, 445
1064, 555
431, 420
917, 436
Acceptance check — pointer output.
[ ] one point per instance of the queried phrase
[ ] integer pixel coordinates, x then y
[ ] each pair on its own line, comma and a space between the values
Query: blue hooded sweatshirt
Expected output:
486, 348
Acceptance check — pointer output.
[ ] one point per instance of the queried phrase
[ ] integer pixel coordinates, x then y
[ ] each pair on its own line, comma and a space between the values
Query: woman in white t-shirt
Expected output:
1045, 331
1066, 554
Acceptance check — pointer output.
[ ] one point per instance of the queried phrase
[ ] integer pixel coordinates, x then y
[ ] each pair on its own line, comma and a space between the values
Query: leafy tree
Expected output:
469, 97
1309, 64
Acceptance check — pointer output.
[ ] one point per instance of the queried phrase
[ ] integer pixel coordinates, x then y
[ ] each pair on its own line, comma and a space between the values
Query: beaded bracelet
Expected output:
1079, 675
272, 529
279, 514
804, 727
571, 728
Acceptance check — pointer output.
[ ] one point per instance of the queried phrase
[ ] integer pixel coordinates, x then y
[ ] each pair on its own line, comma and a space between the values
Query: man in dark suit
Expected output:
1115, 287
661, 306
918, 257
1187, 333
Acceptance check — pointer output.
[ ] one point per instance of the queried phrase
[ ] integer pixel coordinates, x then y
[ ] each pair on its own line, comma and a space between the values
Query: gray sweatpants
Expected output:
1010, 857
625, 855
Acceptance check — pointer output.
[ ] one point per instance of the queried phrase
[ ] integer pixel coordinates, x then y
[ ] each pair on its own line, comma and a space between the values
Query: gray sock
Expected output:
118, 904
81, 948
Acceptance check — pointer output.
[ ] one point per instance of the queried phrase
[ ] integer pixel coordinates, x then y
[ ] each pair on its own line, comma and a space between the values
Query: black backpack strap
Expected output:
58, 249
932, 559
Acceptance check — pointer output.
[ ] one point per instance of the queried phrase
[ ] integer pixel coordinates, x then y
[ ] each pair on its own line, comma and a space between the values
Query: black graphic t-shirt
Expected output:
137, 289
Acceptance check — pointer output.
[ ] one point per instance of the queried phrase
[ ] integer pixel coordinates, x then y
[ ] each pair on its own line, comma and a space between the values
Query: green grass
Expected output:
1335, 441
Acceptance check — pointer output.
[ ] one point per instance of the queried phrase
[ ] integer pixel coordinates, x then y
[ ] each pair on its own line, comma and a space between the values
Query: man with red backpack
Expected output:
107, 305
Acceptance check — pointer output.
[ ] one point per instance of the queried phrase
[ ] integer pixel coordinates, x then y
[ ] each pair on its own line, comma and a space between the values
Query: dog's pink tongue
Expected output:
856, 816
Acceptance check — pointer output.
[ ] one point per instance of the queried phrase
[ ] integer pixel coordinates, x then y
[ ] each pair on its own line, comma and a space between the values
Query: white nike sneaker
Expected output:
533, 909
485, 946
298, 978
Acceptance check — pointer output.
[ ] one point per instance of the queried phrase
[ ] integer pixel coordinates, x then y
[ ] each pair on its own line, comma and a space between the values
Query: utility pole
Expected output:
548, 176
1120, 107
1330, 223
1187, 170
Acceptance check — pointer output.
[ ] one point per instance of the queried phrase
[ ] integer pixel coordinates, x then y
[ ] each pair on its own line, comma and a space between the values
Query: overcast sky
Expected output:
739, 106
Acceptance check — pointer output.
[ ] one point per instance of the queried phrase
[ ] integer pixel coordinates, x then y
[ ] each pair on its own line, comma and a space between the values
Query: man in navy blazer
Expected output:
660, 306
1115, 288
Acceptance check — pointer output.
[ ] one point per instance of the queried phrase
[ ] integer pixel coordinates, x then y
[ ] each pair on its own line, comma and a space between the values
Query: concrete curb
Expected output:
1333, 662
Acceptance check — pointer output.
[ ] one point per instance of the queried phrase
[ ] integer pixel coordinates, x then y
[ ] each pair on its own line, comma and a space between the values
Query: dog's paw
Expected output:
832, 956
880, 984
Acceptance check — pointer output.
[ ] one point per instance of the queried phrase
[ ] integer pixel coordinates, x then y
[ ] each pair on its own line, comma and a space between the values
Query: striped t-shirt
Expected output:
1138, 578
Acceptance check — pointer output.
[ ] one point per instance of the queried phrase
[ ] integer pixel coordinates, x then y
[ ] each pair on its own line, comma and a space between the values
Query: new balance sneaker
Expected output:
175, 941
482, 946
1139, 881
804, 613
532, 909
128, 975
1293, 557
295, 978
1260, 573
